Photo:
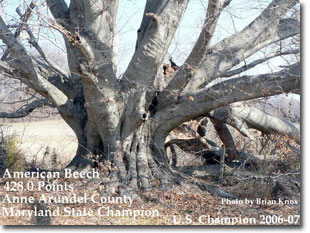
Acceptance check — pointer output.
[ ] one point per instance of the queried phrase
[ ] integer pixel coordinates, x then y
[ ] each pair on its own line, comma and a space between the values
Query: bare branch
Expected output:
34, 43
52, 64
59, 80
214, 11
144, 72
236, 122
24, 18
60, 11
94, 26
257, 62
156, 32
19, 101
21, 64
266, 29
242, 117
193, 78
187, 71
227, 2
76, 40
97, 62
5, 67
197, 103
24, 63
25, 110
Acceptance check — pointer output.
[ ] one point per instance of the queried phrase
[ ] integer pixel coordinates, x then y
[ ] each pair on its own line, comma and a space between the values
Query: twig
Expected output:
222, 168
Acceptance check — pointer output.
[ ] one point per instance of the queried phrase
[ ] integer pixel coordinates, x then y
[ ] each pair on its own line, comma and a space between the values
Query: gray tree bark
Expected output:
243, 117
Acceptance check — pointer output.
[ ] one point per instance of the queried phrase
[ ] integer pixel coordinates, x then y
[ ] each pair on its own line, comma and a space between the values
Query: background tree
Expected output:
124, 122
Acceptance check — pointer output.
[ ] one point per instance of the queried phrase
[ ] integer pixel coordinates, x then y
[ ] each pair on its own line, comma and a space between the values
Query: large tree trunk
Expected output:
135, 161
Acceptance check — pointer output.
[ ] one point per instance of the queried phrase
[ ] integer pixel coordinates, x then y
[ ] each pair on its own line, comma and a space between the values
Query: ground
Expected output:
176, 206
36, 138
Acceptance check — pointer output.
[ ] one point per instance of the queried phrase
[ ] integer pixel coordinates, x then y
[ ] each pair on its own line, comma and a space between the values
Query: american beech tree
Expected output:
124, 122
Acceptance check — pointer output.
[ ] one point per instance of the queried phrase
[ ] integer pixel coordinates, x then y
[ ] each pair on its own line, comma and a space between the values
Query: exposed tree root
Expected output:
80, 163
133, 169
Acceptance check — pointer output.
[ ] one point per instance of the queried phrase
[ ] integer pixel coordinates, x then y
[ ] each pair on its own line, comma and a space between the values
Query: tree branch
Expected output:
257, 62
34, 43
266, 29
57, 79
25, 110
197, 103
144, 73
24, 18
21, 64
215, 8
5, 67
156, 32
242, 117
60, 12
94, 24
187, 70
227, 2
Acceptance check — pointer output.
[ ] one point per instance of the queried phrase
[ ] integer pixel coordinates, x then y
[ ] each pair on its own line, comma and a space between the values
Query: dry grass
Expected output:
35, 139
15, 160
178, 202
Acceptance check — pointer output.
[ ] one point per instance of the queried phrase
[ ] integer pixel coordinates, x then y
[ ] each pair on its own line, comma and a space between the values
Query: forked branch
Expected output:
25, 110
243, 117
159, 24
200, 102
258, 62
266, 29
24, 18
22, 64
60, 11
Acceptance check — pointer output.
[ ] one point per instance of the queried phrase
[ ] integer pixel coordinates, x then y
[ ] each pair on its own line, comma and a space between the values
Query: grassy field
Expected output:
37, 138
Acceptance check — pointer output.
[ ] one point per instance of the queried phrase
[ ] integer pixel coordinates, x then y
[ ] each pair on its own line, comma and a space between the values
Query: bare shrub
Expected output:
15, 160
